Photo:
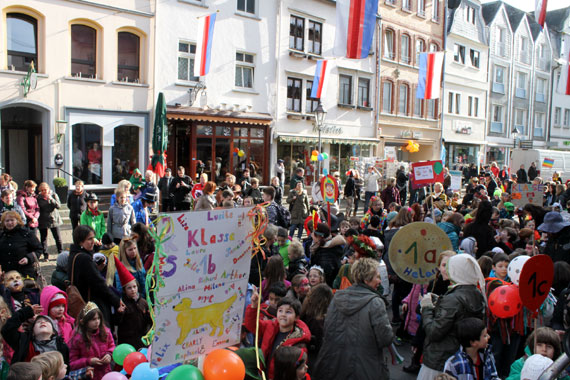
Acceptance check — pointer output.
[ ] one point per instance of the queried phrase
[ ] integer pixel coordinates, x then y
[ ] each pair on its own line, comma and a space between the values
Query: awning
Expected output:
218, 116
286, 137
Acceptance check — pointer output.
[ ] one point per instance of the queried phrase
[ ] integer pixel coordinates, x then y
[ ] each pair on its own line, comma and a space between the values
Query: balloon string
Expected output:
154, 280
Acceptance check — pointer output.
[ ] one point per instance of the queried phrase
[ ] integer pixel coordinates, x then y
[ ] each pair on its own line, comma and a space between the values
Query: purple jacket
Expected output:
29, 205
412, 323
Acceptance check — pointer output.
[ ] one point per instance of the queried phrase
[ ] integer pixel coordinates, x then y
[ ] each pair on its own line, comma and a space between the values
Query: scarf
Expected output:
464, 270
95, 212
42, 346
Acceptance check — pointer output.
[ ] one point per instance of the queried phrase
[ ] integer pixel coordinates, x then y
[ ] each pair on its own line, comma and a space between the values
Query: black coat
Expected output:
17, 244
521, 176
76, 205
164, 187
532, 173
134, 322
558, 246
49, 214
328, 257
484, 234
349, 187
180, 192
20, 341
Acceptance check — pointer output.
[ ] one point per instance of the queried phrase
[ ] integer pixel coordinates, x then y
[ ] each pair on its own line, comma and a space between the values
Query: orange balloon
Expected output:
315, 153
223, 364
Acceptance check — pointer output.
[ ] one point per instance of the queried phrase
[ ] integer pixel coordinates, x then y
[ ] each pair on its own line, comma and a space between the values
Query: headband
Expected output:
317, 267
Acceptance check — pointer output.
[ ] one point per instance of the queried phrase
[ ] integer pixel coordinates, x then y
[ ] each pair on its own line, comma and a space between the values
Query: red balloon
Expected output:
223, 364
505, 301
132, 360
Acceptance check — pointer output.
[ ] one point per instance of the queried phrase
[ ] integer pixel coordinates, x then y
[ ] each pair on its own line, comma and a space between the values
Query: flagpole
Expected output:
442, 94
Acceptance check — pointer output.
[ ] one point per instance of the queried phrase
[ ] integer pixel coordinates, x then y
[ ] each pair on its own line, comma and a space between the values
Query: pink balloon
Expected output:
114, 376
149, 352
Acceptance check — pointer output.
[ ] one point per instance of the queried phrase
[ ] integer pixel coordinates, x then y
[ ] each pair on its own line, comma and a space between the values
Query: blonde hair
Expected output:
364, 270
295, 249
205, 176
126, 243
444, 254
50, 363
42, 185
123, 185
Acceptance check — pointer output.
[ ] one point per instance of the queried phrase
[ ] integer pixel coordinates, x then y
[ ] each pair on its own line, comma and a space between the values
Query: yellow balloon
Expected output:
241, 153
314, 158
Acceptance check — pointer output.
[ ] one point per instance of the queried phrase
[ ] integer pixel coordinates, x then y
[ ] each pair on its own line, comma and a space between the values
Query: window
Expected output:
420, 48
296, 33
459, 53
520, 118
476, 107
435, 11
540, 86
387, 97
311, 104
457, 103
497, 120
422, 8
433, 47
407, 4
83, 51
87, 154
405, 48
403, 100
538, 124
363, 92
469, 106
345, 89
22, 41
244, 70
294, 94
431, 109
389, 44
557, 115
247, 6
501, 42
566, 117
470, 14
520, 91
450, 103
315, 37
129, 57
523, 50
474, 55
499, 80
125, 156
186, 59
418, 107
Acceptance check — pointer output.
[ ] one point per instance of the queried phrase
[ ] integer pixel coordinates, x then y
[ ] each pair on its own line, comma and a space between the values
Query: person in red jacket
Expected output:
285, 330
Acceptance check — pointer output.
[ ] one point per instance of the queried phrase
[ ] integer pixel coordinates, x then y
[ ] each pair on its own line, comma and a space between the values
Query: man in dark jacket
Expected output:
180, 188
165, 194
521, 175
491, 184
532, 173
402, 184
76, 204
298, 177
558, 244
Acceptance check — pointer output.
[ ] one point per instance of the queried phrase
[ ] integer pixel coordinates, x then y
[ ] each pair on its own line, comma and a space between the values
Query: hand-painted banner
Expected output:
427, 172
205, 271
524, 193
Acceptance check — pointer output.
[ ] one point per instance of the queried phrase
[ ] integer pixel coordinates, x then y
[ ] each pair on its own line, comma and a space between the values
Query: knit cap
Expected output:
534, 366
107, 238
58, 299
509, 206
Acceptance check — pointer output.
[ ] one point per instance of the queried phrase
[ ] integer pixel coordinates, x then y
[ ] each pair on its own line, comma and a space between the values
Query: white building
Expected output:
466, 85
91, 89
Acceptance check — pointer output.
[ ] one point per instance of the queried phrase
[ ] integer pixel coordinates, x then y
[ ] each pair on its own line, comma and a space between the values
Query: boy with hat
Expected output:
94, 218
134, 321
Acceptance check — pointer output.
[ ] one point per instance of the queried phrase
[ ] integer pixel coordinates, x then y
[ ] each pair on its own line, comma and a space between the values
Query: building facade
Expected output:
89, 88
466, 86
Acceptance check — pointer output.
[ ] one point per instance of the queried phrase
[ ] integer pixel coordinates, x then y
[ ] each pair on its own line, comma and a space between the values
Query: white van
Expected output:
526, 156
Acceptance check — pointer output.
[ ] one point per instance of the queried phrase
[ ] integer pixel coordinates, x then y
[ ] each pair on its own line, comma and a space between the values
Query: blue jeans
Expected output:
367, 196
298, 227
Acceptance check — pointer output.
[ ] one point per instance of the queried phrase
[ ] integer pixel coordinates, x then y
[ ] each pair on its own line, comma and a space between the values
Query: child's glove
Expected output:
426, 301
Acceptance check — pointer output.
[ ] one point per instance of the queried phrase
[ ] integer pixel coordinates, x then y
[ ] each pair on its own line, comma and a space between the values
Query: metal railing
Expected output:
58, 169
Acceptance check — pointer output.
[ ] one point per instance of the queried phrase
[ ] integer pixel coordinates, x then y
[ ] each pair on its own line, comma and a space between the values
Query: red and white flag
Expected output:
540, 12
429, 81
204, 45
564, 82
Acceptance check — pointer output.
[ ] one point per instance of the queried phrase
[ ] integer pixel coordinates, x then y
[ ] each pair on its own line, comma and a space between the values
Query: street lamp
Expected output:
515, 134
320, 115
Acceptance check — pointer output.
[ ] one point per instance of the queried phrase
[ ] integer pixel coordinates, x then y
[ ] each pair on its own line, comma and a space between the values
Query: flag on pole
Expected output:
429, 82
564, 81
548, 162
540, 12
319, 80
204, 45
355, 24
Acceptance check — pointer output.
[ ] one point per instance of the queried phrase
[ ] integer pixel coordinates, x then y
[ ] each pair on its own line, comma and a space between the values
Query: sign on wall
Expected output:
524, 193
205, 271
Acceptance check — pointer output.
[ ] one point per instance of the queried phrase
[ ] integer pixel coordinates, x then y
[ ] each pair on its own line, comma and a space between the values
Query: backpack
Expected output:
283, 217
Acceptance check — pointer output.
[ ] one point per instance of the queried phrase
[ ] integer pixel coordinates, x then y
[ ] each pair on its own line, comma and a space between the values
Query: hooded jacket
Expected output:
66, 323
16, 244
268, 330
29, 204
328, 257
97, 222
356, 331
120, 220
452, 232
80, 354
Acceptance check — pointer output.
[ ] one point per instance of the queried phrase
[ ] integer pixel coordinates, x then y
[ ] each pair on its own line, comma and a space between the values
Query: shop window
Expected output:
312, 103
315, 37
244, 70
345, 89
83, 51
256, 154
294, 94
204, 156
22, 39
363, 92
128, 69
87, 153
240, 163
223, 159
125, 156
186, 59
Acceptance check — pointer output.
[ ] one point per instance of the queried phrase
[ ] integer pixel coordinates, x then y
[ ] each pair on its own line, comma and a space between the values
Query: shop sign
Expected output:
329, 129
463, 128
417, 135
406, 134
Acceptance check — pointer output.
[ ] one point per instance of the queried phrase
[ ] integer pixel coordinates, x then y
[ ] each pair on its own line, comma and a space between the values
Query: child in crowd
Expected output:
92, 343
282, 245
500, 266
547, 345
474, 360
486, 265
129, 256
411, 317
344, 226
134, 322
52, 365
39, 335
313, 314
506, 239
93, 217
354, 223
254, 191
54, 304
316, 276
297, 259
109, 249
291, 364
59, 276
299, 287
274, 272
25, 371
285, 330
14, 292
276, 292
374, 228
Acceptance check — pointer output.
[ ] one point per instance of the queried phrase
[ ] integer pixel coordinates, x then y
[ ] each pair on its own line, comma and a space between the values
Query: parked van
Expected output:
560, 164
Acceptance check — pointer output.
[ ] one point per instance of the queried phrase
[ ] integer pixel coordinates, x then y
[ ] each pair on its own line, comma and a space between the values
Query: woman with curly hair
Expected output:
313, 314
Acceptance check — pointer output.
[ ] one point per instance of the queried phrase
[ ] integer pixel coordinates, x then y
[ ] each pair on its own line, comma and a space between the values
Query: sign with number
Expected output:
535, 281
414, 251
205, 272
524, 193
329, 189
427, 172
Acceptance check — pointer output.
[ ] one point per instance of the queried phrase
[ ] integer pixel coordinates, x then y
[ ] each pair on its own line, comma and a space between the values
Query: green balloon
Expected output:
437, 167
121, 351
185, 372
325, 156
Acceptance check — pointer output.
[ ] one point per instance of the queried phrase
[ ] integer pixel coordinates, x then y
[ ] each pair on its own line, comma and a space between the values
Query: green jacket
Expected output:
284, 252
95, 222
518, 365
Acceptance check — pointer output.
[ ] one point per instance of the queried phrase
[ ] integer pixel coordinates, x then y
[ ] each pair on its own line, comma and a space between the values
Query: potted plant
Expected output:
61, 188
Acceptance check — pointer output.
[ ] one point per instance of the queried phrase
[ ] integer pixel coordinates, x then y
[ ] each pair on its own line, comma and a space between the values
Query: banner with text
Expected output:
206, 270
524, 193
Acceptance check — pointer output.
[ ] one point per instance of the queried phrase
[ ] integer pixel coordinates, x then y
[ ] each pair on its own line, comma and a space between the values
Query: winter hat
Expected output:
464, 270
53, 324
107, 238
468, 245
498, 250
62, 260
509, 206
391, 215
124, 275
534, 366
497, 193
363, 245
99, 258
58, 299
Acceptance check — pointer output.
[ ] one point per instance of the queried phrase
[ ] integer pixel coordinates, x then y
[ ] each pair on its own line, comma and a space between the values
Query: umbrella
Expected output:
159, 138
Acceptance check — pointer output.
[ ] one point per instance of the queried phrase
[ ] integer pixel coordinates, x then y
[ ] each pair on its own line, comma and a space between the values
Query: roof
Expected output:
490, 10
535, 29
451, 13
212, 115
515, 16
555, 19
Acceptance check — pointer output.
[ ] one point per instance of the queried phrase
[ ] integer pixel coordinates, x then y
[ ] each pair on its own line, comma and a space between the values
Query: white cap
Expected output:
534, 366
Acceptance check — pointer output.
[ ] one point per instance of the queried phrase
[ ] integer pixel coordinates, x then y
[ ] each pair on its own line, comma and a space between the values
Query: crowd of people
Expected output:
325, 311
